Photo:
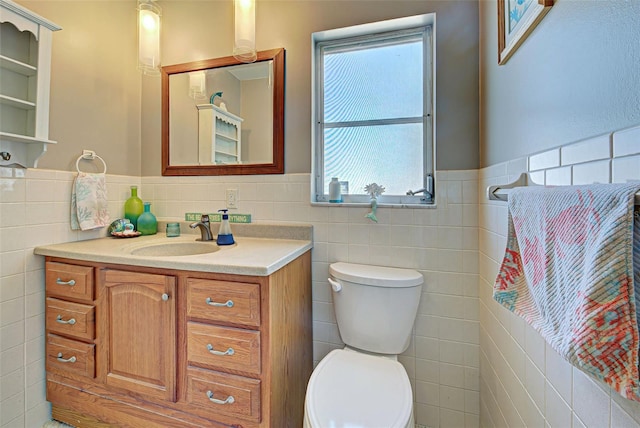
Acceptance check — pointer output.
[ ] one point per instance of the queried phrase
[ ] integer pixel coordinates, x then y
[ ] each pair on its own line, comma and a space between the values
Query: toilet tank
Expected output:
375, 306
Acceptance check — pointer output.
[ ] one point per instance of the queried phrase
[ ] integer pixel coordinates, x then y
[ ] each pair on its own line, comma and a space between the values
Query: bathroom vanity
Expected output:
220, 339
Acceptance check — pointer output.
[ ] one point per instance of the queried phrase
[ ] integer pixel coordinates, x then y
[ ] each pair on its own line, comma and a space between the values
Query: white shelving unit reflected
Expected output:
218, 136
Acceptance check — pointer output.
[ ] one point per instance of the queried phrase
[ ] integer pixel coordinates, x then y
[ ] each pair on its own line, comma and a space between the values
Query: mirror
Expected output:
224, 117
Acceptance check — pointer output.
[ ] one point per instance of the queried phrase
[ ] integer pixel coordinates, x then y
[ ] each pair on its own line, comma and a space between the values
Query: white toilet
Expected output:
364, 385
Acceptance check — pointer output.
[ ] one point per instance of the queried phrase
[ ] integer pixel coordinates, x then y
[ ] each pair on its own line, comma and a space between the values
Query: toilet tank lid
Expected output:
378, 276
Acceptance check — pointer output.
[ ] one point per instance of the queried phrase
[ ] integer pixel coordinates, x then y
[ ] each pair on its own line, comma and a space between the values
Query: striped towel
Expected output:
89, 202
568, 270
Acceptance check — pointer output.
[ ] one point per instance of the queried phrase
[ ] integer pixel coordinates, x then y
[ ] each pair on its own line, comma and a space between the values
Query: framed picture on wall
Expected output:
516, 19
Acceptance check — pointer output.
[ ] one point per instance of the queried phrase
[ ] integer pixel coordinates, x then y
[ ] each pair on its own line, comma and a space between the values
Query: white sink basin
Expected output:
176, 249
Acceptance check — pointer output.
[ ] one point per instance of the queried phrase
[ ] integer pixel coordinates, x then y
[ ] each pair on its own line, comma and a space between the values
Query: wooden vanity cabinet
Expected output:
178, 348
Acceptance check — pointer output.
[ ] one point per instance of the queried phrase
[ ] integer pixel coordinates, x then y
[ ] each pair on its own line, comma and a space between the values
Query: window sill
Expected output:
363, 205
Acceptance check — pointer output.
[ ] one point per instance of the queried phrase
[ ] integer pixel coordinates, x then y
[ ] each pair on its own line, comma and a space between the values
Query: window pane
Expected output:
390, 155
380, 82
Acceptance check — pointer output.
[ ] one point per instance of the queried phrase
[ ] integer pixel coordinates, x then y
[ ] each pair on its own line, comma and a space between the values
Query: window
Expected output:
373, 110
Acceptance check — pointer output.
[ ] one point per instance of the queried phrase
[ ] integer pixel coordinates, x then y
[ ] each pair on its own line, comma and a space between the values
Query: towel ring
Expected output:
90, 155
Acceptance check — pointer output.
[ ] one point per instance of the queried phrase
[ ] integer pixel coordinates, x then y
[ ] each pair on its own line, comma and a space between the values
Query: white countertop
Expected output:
248, 256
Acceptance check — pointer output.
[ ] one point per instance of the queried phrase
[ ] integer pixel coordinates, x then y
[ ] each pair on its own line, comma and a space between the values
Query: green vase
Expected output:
147, 223
133, 207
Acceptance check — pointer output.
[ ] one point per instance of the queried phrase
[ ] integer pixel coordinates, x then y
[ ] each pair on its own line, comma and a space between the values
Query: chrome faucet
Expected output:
205, 228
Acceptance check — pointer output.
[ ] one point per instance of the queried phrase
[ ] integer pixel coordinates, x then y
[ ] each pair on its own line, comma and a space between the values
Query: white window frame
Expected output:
423, 24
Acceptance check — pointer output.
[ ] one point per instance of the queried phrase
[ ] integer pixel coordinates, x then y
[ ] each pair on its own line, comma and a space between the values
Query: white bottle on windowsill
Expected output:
335, 195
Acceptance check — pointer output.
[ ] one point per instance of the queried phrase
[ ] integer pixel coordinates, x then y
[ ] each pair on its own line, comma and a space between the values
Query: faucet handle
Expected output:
205, 228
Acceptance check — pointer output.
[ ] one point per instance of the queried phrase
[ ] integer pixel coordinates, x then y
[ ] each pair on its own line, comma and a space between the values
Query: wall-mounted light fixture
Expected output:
197, 85
244, 45
149, 37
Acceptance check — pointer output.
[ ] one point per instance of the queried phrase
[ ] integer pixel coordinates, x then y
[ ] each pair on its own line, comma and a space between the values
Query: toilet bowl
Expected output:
364, 385
357, 390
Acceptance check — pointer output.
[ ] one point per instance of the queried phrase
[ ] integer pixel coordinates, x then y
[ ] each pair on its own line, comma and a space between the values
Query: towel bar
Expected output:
501, 192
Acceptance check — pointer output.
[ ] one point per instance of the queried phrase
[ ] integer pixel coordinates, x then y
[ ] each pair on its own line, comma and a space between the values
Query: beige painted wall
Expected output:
198, 30
577, 75
95, 88
99, 101
257, 111
183, 112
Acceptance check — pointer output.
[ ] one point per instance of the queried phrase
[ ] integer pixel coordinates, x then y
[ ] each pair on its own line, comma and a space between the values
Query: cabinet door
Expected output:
141, 332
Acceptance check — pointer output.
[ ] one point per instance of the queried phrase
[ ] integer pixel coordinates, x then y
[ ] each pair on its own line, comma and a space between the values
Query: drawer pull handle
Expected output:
59, 319
68, 360
229, 400
228, 303
70, 283
165, 297
229, 351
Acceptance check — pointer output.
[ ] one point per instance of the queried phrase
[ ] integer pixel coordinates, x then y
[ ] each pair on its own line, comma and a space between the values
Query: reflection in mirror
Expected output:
233, 125
221, 117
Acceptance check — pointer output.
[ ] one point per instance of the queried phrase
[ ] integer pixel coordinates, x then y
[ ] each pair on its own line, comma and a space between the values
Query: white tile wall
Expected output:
625, 168
523, 381
443, 358
592, 172
34, 210
558, 176
626, 142
588, 150
544, 160
442, 361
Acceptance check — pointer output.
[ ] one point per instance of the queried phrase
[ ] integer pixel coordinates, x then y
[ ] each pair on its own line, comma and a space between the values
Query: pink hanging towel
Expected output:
568, 270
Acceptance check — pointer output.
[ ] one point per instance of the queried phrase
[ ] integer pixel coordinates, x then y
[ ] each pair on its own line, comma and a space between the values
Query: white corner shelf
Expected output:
25, 74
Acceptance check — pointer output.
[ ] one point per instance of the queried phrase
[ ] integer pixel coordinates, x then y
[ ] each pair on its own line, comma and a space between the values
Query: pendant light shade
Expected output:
149, 37
244, 46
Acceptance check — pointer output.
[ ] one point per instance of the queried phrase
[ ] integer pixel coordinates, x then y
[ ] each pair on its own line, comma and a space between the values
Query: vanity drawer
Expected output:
223, 348
233, 302
70, 319
233, 395
70, 356
72, 281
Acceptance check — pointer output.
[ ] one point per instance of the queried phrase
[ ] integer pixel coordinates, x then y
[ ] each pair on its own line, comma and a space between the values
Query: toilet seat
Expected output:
357, 390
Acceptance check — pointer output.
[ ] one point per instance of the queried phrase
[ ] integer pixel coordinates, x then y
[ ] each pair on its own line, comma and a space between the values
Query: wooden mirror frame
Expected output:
275, 167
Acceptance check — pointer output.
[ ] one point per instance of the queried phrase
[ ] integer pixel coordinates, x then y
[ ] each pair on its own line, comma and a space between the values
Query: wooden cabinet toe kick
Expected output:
68, 400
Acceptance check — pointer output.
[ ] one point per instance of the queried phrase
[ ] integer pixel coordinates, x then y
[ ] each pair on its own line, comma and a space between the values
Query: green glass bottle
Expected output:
133, 207
147, 223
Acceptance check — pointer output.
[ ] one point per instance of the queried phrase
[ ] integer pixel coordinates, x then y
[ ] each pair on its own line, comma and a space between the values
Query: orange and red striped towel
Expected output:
569, 269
